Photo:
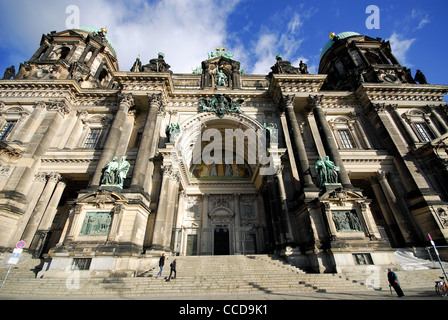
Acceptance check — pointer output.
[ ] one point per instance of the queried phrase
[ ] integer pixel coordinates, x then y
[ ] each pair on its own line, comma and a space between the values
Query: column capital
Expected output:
41, 177
155, 99
40, 105
382, 175
287, 101
315, 100
54, 177
379, 107
126, 100
59, 106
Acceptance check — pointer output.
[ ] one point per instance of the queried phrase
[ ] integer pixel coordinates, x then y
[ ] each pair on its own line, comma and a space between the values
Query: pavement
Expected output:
370, 304
365, 295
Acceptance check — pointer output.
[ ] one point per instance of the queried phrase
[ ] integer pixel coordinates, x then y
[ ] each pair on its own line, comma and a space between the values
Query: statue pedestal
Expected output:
331, 186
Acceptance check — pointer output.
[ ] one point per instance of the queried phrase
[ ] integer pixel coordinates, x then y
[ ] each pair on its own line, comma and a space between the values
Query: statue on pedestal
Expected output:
327, 172
114, 173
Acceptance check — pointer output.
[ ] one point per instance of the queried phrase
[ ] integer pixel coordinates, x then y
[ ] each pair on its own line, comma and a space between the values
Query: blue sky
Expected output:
255, 31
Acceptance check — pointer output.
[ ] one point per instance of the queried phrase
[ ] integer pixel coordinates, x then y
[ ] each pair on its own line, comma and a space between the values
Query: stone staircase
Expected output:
206, 275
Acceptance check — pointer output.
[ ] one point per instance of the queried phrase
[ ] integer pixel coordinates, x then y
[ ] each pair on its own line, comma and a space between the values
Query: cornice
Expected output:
414, 94
297, 83
69, 90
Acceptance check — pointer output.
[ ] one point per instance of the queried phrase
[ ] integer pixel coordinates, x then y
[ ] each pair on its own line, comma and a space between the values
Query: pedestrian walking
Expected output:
173, 269
394, 283
161, 264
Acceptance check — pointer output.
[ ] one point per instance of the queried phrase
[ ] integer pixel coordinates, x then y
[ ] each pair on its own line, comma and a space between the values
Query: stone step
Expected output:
205, 276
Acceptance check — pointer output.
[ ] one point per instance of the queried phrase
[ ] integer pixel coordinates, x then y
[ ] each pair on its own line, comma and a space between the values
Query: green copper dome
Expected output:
340, 36
94, 30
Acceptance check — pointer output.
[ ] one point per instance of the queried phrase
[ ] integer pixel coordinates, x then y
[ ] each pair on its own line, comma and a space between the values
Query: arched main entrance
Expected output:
221, 205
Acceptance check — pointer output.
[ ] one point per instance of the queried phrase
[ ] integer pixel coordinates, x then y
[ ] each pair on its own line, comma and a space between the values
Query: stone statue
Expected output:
114, 173
332, 171
321, 171
327, 172
123, 170
110, 173
137, 66
157, 65
420, 77
172, 132
283, 67
221, 105
303, 67
9, 73
221, 78
272, 132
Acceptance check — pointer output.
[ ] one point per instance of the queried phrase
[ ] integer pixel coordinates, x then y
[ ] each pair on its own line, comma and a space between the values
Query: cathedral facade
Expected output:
104, 170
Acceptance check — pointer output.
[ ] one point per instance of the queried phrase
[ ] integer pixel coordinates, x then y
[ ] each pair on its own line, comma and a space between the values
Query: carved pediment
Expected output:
221, 214
100, 198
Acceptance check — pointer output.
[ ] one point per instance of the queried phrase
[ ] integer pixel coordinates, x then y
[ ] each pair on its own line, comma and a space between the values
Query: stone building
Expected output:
103, 169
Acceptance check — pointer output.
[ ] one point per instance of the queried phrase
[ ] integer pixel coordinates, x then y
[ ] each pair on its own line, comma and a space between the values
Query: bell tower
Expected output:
86, 55
350, 59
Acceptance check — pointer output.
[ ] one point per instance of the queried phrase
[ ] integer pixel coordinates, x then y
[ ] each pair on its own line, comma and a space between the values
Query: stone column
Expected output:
40, 180
31, 124
393, 108
111, 145
40, 208
303, 163
38, 148
206, 238
179, 222
439, 113
51, 210
237, 225
144, 151
403, 223
74, 224
328, 140
165, 210
432, 110
117, 219
284, 204
73, 139
172, 198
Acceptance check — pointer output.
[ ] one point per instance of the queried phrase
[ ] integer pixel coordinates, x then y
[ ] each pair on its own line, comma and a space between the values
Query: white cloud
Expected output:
184, 30
284, 36
421, 17
423, 22
295, 23
400, 47
265, 50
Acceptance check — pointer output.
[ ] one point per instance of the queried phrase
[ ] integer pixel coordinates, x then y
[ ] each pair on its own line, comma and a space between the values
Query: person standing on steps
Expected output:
394, 283
161, 264
173, 269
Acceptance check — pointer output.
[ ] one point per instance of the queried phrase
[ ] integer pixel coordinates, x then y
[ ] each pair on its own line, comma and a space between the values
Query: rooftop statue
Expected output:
137, 66
221, 78
157, 65
284, 67
9, 73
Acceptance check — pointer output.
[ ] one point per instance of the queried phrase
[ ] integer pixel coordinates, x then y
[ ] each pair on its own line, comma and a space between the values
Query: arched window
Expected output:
96, 127
7, 128
347, 133
421, 124
63, 53
9, 122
